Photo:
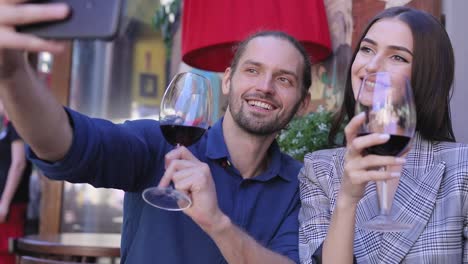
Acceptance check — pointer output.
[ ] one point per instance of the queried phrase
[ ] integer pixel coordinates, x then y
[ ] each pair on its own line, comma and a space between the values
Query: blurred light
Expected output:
166, 2
45, 56
43, 67
45, 60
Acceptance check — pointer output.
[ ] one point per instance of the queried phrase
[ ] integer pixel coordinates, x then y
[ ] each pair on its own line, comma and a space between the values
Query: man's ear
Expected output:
226, 84
302, 110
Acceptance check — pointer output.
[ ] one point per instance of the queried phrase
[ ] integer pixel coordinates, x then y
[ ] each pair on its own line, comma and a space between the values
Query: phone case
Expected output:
88, 19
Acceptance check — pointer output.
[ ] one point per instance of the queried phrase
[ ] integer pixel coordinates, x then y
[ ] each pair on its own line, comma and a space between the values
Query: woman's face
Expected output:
387, 46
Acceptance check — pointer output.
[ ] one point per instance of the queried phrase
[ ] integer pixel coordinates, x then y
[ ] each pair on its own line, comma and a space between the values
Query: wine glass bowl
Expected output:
386, 99
184, 116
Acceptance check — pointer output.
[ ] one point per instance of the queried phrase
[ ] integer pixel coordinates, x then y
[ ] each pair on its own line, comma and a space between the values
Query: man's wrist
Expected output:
221, 224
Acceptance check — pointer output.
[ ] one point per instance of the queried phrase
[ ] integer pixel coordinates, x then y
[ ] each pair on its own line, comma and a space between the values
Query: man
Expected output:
244, 190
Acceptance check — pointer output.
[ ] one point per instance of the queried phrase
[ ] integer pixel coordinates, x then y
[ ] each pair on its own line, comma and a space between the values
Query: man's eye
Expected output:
284, 80
250, 70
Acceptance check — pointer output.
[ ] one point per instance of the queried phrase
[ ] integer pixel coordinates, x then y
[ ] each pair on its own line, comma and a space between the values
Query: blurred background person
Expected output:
15, 172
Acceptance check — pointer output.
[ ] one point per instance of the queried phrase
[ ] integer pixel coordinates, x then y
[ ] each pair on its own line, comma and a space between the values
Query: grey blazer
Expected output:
432, 195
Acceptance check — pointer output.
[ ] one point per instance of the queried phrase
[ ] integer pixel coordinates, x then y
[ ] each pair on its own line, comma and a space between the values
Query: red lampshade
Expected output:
211, 28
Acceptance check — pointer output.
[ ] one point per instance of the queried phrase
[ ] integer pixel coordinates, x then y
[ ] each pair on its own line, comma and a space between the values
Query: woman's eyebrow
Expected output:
394, 47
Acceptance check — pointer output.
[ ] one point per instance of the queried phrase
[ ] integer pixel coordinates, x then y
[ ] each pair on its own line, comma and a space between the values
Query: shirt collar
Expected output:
216, 149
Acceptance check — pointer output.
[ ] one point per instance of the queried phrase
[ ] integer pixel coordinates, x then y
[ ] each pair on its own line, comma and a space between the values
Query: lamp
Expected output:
211, 28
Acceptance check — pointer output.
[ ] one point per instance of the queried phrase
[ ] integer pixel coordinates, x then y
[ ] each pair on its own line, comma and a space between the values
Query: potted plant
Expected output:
307, 133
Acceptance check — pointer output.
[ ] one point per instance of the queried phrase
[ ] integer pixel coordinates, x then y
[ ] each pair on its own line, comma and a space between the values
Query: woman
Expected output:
15, 172
429, 183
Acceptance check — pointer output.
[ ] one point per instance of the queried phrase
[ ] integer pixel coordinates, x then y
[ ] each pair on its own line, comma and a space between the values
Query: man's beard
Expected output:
260, 127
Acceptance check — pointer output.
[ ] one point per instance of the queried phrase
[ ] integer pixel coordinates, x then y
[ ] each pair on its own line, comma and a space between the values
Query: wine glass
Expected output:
387, 100
184, 116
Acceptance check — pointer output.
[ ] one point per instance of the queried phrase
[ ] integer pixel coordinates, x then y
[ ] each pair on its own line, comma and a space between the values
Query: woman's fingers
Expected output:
365, 169
359, 144
352, 128
376, 161
364, 176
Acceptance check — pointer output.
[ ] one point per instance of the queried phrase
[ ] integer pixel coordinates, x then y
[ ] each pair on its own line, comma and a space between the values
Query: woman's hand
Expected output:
359, 169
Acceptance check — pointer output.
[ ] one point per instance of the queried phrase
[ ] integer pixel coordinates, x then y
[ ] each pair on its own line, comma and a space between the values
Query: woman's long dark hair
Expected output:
431, 75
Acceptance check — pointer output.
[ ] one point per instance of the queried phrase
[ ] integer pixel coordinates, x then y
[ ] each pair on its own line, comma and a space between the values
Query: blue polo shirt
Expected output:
130, 156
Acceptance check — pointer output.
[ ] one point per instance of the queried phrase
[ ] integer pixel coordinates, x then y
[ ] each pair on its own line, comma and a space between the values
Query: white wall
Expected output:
457, 27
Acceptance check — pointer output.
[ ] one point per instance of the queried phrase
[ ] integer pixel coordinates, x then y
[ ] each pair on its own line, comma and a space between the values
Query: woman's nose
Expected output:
374, 65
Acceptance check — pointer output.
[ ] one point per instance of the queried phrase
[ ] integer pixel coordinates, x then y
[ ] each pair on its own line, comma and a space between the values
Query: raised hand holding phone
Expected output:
20, 13
87, 19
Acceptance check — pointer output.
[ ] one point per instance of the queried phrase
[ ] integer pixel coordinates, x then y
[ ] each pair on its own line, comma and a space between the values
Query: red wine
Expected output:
393, 147
183, 135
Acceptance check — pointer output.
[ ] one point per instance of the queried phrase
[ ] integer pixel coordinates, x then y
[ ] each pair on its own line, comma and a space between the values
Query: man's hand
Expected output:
14, 13
193, 177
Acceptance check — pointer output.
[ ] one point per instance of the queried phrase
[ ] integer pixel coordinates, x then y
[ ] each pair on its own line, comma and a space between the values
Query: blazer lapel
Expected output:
414, 200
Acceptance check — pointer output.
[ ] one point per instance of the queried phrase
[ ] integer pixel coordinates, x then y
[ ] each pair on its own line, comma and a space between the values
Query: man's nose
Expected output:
266, 84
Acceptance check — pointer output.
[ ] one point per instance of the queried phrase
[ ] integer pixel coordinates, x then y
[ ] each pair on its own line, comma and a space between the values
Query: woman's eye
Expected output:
365, 49
399, 58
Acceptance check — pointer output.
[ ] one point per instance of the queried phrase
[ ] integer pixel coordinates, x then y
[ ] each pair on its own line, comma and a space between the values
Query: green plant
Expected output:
306, 134
166, 19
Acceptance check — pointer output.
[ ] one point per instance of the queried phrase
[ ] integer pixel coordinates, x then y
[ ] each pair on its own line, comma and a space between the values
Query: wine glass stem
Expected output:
384, 199
385, 202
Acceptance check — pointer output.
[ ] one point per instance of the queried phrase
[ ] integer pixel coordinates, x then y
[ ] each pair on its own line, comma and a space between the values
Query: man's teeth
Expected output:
261, 104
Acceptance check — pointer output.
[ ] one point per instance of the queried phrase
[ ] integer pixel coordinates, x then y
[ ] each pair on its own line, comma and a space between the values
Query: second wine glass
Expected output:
387, 100
184, 116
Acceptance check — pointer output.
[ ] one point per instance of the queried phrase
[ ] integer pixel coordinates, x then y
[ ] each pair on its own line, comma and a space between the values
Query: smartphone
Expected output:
88, 19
